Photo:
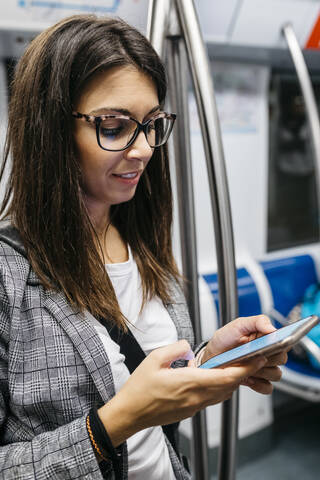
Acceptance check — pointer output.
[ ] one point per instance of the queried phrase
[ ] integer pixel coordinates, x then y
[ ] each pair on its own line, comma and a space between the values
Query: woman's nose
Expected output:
140, 148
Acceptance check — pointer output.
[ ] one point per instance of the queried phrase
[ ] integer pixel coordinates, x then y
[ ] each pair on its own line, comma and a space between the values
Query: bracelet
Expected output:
199, 356
94, 443
102, 438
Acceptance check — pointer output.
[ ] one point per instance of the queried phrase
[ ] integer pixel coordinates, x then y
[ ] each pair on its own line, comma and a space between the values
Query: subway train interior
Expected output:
271, 158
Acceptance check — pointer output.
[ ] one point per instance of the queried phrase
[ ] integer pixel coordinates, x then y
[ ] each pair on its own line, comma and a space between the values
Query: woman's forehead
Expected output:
123, 87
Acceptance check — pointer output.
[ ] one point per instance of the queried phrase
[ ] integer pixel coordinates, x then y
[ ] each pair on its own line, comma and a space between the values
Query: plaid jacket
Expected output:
53, 369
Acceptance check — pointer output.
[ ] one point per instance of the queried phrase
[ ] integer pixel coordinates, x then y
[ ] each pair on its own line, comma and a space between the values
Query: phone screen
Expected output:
254, 345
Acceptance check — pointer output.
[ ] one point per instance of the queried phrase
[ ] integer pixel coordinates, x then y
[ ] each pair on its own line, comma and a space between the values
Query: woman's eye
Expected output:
110, 132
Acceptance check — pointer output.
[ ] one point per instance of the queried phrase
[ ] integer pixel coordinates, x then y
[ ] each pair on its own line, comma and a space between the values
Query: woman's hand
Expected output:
156, 394
261, 381
243, 330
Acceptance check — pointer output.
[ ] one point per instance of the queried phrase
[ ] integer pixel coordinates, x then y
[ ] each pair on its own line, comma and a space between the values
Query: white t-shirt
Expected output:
147, 451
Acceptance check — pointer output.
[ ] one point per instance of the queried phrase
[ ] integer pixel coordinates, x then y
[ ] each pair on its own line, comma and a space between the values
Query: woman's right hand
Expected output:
156, 394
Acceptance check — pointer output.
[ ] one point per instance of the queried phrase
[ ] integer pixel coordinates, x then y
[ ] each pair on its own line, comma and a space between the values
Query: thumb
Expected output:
264, 325
261, 324
175, 351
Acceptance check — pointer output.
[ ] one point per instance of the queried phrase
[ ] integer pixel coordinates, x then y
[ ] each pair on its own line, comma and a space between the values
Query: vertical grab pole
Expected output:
179, 102
157, 24
163, 25
308, 96
228, 295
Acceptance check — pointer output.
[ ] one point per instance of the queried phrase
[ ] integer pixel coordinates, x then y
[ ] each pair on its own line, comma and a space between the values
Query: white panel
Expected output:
205, 234
37, 15
241, 92
245, 141
259, 22
215, 18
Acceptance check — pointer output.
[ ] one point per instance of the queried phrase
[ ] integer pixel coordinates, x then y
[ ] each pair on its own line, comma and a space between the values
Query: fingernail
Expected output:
189, 355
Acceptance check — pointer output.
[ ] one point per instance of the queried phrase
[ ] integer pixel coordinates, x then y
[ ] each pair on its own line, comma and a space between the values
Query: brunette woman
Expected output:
87, 273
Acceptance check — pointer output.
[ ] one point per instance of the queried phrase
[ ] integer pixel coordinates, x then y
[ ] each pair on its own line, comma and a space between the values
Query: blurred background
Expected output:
274, 192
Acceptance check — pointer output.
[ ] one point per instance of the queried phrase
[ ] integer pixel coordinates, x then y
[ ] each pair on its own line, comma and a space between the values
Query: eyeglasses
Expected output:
118, 132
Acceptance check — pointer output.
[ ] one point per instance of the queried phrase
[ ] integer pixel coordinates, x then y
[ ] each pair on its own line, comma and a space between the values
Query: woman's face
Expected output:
113, 92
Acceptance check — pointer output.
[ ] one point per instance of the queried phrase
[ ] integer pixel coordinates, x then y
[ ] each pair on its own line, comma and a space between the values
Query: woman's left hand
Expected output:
243, 330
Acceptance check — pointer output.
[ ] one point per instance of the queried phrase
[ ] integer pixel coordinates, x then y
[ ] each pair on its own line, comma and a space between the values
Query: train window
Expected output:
293, 212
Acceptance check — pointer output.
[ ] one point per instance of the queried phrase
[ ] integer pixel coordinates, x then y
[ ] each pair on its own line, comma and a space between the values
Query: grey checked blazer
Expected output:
53, 369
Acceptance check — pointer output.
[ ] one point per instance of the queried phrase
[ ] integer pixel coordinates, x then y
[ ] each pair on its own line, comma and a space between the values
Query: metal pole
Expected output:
219, 195
228, 295
179, 103
308, 95
162, 22
157, 26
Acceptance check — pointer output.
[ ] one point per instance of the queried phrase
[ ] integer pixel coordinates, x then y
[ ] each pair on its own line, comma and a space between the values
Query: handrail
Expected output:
219, 193
308, 96
157, 24
306, 393
163, 23
228, 296
178, 79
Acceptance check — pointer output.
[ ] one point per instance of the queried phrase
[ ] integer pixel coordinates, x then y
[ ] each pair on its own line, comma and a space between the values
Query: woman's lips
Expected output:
129, 178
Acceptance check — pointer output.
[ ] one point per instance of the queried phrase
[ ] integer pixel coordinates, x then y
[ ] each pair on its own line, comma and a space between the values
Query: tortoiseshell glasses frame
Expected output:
116, 133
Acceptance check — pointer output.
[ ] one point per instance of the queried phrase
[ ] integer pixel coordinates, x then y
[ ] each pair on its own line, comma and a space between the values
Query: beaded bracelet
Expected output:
94, 443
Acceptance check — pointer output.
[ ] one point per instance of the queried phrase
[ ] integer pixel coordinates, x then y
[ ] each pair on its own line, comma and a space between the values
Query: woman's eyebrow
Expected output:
123, 111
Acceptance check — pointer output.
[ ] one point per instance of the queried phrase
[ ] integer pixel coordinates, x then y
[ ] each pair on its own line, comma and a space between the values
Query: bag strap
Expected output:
129, 347
134, 355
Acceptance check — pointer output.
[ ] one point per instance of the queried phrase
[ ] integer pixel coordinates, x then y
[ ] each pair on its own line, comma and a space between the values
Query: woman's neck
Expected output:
99, 214
114, 249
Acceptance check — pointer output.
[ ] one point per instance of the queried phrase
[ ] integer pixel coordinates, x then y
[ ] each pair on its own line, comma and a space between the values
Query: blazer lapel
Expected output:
178, 311
85, 339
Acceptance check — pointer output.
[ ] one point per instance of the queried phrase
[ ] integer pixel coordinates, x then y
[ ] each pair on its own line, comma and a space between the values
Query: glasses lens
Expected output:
159, 130
116, 133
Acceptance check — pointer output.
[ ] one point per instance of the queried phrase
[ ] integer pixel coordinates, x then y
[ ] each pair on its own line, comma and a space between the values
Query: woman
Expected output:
86, 252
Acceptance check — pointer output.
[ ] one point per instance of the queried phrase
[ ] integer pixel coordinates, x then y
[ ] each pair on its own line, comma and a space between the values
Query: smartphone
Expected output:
269, 344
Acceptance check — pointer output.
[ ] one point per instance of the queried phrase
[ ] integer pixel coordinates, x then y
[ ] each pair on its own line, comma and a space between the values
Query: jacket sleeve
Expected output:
63, 453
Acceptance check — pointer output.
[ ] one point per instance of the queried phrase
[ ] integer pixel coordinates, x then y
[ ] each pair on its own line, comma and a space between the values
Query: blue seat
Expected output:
289, 278
249, 301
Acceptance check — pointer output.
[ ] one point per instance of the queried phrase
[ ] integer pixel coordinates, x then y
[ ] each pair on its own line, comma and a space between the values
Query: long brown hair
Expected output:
43, 196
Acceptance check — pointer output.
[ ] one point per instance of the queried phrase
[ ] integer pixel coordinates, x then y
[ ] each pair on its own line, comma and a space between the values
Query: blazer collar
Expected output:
10, 235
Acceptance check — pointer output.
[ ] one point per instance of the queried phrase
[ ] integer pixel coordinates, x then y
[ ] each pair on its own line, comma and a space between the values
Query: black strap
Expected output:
134, 355
101, 436
129, 347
